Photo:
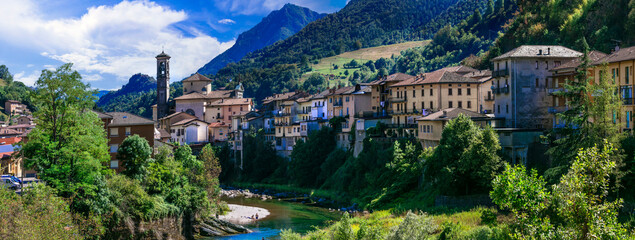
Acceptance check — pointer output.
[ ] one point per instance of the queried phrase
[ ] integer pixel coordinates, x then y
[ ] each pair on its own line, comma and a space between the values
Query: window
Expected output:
423, 106
230, 109
413, 93
469, 104
114, 148
423, 92
347, 99
469, 91
499, 108
114, 132
431, 92
537, 83
449, 91
241, 108
460, 104
536, 64
127, 131
507, 108
450, 104
546, 65
556, 63
459, 91
330, 100
114, 164
627, 76
431, 106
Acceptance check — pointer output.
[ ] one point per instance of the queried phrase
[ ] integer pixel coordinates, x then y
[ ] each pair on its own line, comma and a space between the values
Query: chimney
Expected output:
617, 47
445, 113
540, 52
548, 51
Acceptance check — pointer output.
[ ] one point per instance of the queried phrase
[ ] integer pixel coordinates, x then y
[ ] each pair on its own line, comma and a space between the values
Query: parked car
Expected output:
14, 178
9, 183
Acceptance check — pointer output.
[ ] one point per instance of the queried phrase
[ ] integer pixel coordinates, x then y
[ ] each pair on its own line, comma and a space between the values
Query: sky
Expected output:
109, 41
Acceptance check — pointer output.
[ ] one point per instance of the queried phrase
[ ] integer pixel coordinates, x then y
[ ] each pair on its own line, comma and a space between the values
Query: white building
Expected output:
189, 131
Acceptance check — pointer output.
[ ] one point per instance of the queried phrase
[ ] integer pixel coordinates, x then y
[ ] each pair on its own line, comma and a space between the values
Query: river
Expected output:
283, 215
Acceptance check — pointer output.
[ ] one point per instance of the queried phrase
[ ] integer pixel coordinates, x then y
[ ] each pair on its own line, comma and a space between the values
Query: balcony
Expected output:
489, 98
501, 90
281, 114
628, 101
558, 109
402, 126
500, 73
368, 114
555, 91
337, 103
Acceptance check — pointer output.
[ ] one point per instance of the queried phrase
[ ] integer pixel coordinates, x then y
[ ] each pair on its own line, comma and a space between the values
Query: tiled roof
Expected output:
187, 122
451, 113
460, 69
539, 51
211, 95
574, 63
164, 133
284, 96
438, 76
479, 74
176, 114
218, 124
162, 55
320, 95
623, 54
197, 77
21, 126
7, 131
397, 77
102, 115
127, 119
231, 101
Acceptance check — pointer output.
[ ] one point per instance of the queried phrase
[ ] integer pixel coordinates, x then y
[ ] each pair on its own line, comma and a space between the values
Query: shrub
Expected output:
414, 227
488, 216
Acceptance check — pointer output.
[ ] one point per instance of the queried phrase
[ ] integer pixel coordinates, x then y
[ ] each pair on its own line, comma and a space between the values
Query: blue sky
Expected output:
108, 41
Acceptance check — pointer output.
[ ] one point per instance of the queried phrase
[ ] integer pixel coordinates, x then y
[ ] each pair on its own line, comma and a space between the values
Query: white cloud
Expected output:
121, 40
226, 21
29, 79
263, 7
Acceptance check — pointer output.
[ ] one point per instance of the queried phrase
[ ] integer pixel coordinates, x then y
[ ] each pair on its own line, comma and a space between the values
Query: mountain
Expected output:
360, 24
278, 25
135, 97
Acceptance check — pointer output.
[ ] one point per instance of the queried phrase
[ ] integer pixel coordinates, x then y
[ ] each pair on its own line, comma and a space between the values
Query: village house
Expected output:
218, 132
380, 93
198, 94
619, 65
13, 107
189, 131
562, 74
430, 127
167, 121
120, 125
223, 109
521, 79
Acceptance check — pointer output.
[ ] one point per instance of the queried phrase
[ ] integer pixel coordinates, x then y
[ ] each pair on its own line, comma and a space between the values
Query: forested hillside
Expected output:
360, 24
604, 24
136, 97
278, 25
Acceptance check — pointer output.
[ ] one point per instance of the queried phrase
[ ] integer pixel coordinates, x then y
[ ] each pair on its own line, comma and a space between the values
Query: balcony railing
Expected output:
337, 104
401, 125
558, 109
501, 90
489, 98
556, 90
628, 101
500, 73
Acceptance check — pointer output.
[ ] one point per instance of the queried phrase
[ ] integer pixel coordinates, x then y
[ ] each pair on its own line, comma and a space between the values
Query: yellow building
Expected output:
380, 92
453, 87
430, 127
620, 66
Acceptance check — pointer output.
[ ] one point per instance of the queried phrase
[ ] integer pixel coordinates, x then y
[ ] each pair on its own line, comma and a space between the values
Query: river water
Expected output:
283, 215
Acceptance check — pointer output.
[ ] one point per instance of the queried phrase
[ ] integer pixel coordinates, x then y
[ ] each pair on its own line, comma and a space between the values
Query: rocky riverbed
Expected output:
266, 194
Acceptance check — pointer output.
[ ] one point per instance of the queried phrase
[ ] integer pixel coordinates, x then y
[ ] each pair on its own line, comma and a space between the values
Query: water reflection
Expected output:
283, 215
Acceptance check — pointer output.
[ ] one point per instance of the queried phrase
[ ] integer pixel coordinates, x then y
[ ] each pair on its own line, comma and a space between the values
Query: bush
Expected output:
288, 234
488, 217
413, 227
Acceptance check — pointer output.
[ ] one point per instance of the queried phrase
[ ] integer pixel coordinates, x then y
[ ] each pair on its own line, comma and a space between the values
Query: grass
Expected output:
325, 65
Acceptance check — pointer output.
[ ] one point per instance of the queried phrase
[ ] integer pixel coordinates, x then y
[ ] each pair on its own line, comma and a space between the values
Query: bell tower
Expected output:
163, 84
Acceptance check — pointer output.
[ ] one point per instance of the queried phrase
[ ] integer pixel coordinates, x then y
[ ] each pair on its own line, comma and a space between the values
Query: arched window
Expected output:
190, 111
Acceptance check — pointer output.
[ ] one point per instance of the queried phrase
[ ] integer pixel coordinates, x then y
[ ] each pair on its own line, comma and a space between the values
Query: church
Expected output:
199, 100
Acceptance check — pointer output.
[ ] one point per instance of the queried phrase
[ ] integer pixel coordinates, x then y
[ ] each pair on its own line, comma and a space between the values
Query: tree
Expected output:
135, 153
68, 148
490, 8
212, 170
576, 208
466, 158
307, 157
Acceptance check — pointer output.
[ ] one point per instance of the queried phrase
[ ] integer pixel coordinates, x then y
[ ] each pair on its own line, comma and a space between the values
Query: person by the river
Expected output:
256, 216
